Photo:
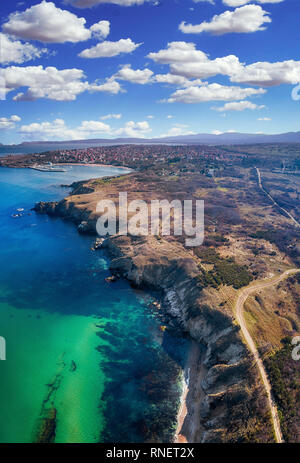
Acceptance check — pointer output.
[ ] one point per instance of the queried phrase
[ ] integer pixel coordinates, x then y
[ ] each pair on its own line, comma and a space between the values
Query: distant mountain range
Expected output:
231, 138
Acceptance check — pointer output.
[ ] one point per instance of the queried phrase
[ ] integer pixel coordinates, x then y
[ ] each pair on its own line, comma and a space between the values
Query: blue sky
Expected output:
147, 69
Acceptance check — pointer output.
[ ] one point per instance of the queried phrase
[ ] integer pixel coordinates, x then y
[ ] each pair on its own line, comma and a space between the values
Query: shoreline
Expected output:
201, 417
129, 169
182, 413
94, 165
189, 428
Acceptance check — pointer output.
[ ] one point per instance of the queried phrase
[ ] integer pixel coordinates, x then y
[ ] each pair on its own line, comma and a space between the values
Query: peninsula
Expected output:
249, 239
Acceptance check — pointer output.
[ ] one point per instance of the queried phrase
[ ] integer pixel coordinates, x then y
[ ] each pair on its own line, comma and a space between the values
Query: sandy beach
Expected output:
189, 429
182, 412
94, 165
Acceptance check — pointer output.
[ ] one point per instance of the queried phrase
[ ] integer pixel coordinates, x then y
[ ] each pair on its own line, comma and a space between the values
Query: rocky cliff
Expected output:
232, 402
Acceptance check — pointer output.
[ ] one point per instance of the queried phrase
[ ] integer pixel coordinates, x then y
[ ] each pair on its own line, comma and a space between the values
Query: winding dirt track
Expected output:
239, 306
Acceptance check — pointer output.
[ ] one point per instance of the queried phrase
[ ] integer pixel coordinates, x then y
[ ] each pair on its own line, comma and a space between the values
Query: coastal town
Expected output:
126, 155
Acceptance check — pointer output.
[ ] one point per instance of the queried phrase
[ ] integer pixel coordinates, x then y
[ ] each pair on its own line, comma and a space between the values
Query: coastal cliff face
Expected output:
232, 402
233, 405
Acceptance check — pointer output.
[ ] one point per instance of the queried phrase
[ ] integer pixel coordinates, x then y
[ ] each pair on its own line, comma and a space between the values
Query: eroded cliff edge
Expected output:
233, 405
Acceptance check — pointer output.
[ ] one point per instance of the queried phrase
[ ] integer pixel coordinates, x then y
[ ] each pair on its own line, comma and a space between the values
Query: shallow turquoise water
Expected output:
91, 351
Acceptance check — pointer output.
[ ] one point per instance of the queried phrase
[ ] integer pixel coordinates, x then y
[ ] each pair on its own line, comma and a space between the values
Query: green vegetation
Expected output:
267, 235
207, 255
225, 271
284, 375
233, 274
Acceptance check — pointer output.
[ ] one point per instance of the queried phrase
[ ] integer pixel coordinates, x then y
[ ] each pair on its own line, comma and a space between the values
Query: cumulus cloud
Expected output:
9, 122
58, 130
51, 83
196, 63
249, 18
170, 79
178, 52
177, 130
90, 3
108, 49
188, 62
109, 86
14, 51
235, 3
94, 126
268, 74
238, 106
136, 76
47, 23
48, 83
212, 92
111, 116
226, 65
265, 119
100, 30
134, 129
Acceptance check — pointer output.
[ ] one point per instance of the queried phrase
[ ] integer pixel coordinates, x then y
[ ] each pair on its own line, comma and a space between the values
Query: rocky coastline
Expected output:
226, 401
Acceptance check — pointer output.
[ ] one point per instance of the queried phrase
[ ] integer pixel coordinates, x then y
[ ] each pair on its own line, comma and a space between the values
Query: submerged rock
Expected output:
46, 433
111, 279
73, 366
98, 244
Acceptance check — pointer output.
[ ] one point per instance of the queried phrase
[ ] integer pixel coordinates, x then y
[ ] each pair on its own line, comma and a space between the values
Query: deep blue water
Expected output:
54, 305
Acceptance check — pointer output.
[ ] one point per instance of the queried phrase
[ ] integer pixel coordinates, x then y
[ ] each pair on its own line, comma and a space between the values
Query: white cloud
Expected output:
169, 116
58, 130
108, 49
100, 30
48, 83
249, 18
235, 3
94, 126
206, 68
150, 116
90, 3
134, 129
9, 122
268, 74
137, 76
212, 92
175, 131
238, 106
111, 116
47, 23
196, 63
267, 119
178, 52
170, 79
109, 86
51, 83
14, 51
188, 62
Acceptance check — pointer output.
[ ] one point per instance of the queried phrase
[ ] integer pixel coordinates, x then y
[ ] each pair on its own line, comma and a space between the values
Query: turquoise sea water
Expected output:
84, 355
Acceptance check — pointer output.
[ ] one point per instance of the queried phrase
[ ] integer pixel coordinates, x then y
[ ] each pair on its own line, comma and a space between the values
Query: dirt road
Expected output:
273, 200
243, 296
